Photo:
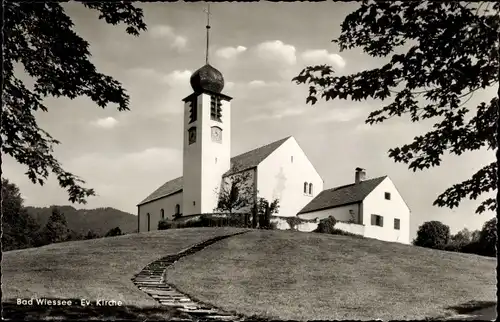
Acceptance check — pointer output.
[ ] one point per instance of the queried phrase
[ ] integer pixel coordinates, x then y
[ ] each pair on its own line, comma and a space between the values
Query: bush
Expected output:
293, 222
114, 232
433, 234
326, 225
164, 224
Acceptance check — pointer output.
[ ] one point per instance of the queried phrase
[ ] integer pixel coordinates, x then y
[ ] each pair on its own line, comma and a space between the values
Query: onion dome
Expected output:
207, 78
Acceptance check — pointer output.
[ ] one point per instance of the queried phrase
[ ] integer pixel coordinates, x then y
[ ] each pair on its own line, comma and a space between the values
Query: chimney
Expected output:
360, 175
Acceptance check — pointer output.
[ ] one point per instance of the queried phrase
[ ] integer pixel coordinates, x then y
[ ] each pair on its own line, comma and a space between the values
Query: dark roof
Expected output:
253, 158
242, 162
343, 195
166, 189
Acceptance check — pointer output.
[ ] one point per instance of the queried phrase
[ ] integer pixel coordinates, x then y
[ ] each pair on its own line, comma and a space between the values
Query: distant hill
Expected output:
100, 220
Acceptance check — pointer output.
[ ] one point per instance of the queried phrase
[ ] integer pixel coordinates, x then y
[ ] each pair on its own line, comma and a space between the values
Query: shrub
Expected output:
326, 225
293, 222
114, 232
164, 224
432, 234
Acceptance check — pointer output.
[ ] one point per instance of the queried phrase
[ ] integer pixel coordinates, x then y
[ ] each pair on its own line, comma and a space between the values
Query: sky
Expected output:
259, 48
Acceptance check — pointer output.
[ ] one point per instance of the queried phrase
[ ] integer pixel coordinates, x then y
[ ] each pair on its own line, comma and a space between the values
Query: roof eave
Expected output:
223, 96
329, 207
160, 197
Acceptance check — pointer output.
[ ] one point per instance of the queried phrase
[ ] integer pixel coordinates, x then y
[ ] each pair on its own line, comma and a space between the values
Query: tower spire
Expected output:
207, 11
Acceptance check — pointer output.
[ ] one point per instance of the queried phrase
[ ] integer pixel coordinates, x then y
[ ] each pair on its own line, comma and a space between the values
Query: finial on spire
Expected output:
207, 11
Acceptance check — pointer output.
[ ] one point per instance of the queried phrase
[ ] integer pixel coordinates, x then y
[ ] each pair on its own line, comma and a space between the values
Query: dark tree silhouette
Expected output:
56, 230
440, 53
19, 229
432, 234
114, 232
40, 37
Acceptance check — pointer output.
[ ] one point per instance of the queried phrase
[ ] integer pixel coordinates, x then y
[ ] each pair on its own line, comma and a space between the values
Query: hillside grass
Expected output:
300, 276
94, 269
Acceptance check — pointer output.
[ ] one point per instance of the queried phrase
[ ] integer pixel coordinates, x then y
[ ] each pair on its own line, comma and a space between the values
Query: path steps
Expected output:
151, 280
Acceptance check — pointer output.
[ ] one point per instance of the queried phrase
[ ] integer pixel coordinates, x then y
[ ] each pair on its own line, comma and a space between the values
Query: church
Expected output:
279, 170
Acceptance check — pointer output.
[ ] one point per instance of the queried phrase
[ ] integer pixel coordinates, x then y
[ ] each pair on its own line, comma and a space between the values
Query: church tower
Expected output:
207, 139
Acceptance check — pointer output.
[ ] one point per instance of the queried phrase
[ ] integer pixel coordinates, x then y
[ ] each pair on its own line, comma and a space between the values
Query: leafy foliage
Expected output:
56, 229
91, 235
265, 210
114, 232
40, 37
164, 224
432, 234
236, 193
19, 229
293, 222
488, 237
440, 54
326, 225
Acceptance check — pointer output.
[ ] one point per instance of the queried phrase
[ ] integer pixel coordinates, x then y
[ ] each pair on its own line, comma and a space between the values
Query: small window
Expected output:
215, 160
310, 188
149, 221
162, 212
194, 203
397, 223
305, 187
177, 209
387, 196
377, 220
291, 158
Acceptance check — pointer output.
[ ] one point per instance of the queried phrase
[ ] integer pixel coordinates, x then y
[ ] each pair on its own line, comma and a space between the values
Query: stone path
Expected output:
152, 281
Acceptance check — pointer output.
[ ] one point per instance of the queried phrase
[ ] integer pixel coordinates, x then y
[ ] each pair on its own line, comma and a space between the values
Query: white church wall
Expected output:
343, 213
376, 204
282, 175
154, 209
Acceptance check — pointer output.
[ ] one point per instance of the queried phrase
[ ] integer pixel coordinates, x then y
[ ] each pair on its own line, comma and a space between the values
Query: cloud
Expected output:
230, 52
105, 123
278, 109
178, 77
260, 83
102, 167
229, 85
166, 32
277, 51
339, 115
322, 56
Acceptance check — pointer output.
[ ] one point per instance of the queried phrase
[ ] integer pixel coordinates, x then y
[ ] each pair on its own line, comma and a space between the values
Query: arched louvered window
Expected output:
310, 188
305, 187
177, 209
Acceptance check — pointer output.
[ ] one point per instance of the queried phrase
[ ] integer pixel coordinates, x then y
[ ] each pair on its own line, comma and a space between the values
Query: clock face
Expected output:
216, 134
192, 135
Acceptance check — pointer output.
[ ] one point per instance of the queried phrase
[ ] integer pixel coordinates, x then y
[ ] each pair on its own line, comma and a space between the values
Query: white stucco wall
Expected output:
205, 161
351, 228
154, 209
375, 203
280, 177
340, 213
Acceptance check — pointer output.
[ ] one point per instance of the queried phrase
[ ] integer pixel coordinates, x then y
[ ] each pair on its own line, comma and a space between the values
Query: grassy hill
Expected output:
300, 276
100, 220
94, 269
276, 274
